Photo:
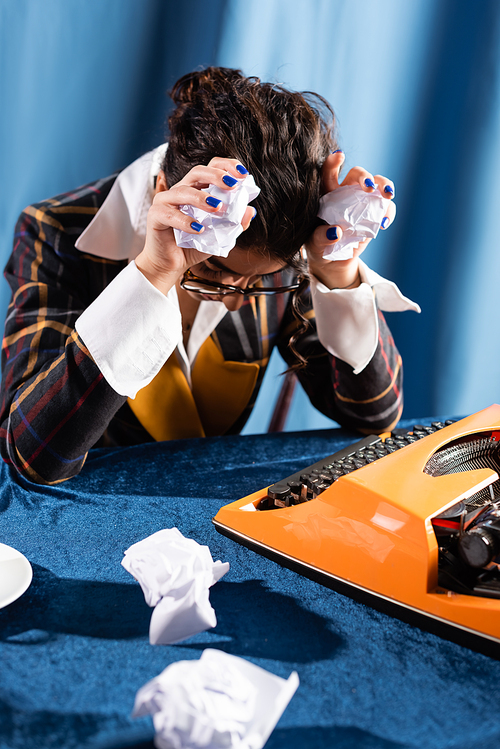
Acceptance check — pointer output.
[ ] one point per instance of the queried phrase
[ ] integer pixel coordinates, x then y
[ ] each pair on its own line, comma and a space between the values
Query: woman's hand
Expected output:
340, 274
161, 260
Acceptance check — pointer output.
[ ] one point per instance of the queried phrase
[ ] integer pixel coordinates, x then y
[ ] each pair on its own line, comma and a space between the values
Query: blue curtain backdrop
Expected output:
415, 86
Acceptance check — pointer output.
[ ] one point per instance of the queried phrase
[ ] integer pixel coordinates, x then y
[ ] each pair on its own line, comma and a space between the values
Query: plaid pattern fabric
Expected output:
56, 404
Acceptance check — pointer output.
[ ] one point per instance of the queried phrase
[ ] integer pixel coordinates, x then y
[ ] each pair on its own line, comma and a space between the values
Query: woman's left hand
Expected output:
340, 274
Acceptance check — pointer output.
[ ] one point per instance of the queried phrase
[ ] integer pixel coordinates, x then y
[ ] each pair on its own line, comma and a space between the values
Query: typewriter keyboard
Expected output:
310, 482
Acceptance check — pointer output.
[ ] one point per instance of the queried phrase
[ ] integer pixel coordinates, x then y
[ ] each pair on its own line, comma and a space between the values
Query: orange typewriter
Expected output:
408, 523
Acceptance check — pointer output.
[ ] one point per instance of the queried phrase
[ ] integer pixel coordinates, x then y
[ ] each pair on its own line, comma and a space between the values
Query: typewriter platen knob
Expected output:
479, 546
280, 495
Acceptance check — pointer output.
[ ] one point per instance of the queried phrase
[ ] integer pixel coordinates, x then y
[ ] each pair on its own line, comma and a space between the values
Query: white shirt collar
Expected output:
118, 230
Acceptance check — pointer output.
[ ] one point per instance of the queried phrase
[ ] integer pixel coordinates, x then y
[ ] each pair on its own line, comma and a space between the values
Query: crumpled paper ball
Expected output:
359, 215
222, 228
175, 574
218, 701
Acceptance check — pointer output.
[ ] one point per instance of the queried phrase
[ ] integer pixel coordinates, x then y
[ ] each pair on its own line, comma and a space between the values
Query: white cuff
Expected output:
130, 330
347, 319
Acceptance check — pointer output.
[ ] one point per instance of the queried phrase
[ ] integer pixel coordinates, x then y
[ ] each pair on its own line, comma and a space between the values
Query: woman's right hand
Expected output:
161, 260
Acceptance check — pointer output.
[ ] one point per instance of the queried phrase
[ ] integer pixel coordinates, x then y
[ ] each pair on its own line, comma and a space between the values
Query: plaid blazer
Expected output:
56, 404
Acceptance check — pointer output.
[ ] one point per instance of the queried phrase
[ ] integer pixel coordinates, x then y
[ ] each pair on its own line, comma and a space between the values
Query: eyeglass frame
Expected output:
227, 289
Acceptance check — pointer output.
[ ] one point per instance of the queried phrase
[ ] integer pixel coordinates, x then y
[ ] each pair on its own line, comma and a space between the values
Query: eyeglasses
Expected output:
190, 282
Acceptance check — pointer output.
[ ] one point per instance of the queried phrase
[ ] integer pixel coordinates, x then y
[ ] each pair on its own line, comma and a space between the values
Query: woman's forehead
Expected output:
245, 263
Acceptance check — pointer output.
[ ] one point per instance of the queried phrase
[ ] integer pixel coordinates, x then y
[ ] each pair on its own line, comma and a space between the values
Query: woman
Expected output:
116, 335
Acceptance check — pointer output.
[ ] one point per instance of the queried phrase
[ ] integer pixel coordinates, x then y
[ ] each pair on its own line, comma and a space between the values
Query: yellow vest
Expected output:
169, 409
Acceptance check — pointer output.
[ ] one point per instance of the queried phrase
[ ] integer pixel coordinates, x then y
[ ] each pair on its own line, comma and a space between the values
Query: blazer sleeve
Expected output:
55, 403
368, 402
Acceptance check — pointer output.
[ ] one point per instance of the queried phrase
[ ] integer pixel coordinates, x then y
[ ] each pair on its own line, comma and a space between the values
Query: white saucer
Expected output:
15, 574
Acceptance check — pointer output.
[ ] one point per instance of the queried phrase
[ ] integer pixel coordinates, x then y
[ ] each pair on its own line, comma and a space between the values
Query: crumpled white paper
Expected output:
359, 215
218, 701
222, 228
175, 574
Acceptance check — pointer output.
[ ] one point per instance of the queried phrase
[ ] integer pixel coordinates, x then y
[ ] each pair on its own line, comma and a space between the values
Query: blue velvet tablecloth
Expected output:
74, 649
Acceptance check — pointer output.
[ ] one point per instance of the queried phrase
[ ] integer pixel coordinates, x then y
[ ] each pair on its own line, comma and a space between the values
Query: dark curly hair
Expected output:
282, 137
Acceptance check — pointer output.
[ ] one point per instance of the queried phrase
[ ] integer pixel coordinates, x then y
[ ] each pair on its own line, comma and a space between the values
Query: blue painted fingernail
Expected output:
229, 181
241, 169
332, 233
196, 226
339, 150
384, 223
254, 215
388, 189
213, 202
369, 182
